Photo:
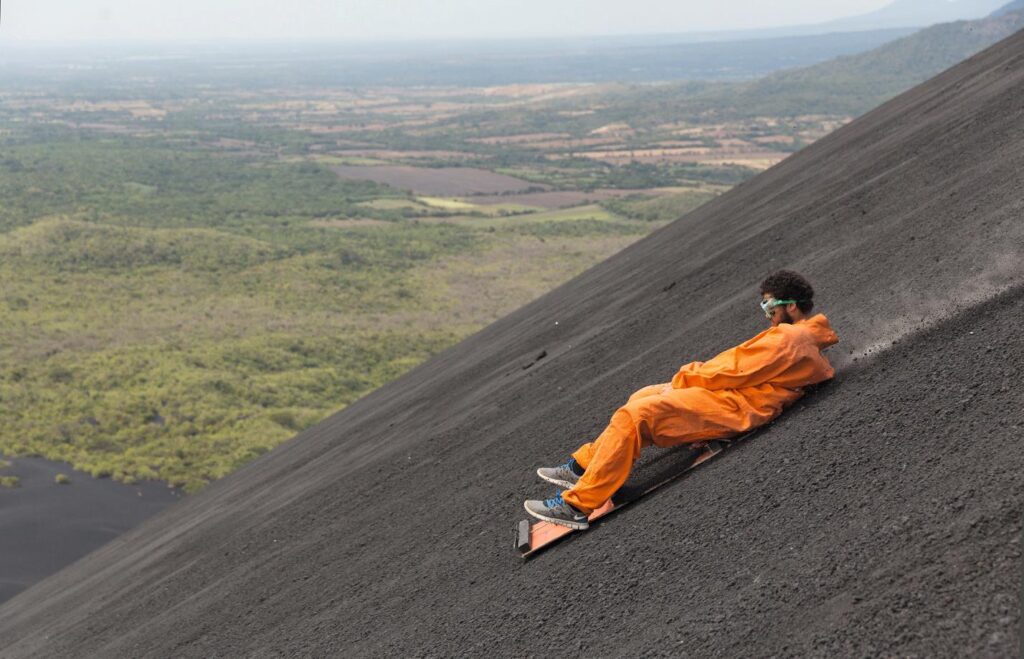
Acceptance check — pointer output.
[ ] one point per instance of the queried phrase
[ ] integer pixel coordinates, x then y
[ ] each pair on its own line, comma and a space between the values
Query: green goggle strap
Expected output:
777, 303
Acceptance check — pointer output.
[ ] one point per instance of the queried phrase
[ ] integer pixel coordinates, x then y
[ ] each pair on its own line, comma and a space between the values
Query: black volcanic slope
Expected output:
882, 515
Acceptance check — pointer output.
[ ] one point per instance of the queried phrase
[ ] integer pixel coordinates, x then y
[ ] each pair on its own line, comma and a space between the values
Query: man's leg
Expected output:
611, 456
584, 455
609, 460
662, 416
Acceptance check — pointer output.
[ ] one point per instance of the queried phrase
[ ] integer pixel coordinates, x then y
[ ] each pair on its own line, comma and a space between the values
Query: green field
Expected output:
187, 283
173, 314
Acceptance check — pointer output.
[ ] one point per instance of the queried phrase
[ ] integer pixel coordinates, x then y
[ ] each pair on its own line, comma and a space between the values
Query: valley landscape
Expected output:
199, 266
190, 283
195, 269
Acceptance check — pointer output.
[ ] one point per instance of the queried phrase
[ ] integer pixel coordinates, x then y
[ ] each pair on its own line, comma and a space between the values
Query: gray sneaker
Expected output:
557, 511
561, 475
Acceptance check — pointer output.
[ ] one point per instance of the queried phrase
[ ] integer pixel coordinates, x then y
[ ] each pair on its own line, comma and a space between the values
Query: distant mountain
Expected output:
916, 13
849, 85
855, 84
898, 14
1017, 5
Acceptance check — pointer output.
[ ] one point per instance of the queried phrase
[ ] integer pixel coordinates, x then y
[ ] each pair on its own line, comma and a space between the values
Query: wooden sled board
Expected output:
535, 535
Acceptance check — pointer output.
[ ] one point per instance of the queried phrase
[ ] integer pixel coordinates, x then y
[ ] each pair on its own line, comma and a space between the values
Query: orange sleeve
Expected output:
753, 362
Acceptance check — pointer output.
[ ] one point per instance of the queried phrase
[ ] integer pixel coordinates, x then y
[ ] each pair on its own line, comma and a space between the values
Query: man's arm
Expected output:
754, 362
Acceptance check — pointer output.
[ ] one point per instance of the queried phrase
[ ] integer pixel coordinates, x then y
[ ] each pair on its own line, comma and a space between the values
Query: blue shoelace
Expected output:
555, 502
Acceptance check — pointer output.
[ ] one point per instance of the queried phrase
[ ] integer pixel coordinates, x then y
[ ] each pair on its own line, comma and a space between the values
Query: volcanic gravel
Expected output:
879, 516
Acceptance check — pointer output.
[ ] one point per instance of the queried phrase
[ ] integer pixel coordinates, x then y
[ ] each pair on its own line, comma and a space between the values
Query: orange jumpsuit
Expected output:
742, 388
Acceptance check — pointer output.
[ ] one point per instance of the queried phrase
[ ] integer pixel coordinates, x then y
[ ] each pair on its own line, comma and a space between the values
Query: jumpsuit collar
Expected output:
820, 329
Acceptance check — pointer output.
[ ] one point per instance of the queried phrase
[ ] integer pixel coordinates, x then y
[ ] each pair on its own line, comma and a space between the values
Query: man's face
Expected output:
779, 314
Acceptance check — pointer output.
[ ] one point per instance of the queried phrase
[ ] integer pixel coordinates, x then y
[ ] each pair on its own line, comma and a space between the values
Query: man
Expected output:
740, 389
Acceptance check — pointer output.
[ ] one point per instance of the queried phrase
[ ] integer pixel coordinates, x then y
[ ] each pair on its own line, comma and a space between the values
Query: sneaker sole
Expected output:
579, 526
566, 484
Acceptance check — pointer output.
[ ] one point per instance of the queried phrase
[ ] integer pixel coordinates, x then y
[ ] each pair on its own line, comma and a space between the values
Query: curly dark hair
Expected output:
789, 285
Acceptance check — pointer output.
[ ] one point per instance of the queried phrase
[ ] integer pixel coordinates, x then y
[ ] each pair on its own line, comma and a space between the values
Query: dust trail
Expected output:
1005, 271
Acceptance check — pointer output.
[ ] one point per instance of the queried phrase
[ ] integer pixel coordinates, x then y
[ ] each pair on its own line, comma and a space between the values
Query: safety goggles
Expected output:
768, 306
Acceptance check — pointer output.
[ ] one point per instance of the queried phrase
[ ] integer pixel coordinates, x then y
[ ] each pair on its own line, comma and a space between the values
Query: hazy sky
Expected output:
58, 20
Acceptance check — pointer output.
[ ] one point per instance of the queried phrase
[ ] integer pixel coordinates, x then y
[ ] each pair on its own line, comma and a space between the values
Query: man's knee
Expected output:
651, 390
631, 427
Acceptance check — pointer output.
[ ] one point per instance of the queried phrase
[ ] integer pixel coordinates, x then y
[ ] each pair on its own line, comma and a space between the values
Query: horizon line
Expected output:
394, 40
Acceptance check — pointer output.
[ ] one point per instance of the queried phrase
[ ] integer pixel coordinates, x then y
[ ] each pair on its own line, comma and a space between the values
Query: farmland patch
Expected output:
559, 198
441, 181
